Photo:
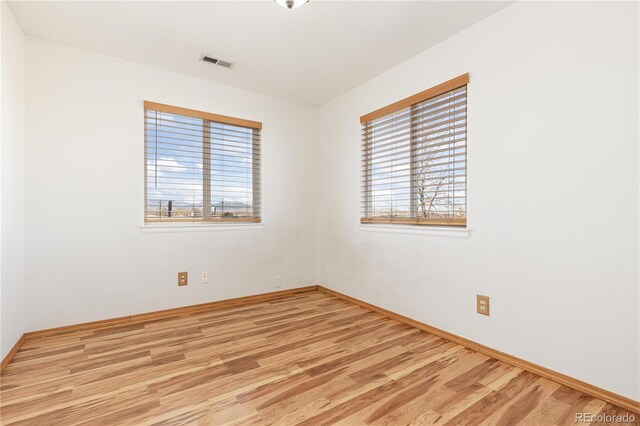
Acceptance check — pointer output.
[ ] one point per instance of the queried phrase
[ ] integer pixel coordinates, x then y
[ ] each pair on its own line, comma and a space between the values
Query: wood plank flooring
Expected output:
308, 359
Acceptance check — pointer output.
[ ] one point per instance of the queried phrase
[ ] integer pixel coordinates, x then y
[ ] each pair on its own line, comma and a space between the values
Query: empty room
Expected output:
317, 212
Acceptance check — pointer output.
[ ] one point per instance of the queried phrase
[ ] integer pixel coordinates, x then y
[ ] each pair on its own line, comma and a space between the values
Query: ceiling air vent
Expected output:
216, 61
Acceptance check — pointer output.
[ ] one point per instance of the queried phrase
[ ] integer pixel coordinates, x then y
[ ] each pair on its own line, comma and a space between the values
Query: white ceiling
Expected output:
311, 54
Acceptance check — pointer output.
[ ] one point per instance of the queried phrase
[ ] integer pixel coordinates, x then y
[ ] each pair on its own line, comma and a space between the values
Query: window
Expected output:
414, 158
200, 167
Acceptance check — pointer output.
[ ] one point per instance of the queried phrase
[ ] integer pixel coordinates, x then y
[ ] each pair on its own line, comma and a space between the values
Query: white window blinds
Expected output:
200, 167
414, 159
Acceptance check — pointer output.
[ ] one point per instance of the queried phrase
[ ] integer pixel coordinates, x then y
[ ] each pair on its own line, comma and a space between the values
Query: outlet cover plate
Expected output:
482, 305
183, 278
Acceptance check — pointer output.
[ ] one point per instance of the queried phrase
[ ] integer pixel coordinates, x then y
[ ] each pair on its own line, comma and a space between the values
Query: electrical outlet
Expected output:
482, 304
276, 282
183, 278
204, 278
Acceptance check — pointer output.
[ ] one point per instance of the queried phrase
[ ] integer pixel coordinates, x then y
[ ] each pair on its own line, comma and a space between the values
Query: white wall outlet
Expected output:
204, 278
276, 282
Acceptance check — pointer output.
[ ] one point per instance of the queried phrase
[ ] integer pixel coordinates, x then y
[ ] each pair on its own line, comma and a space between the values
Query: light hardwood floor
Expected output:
306, 359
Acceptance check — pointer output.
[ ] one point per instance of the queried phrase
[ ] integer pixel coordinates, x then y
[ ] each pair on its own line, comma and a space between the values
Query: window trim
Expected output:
181, 223
201, 114
409, 102
432, 92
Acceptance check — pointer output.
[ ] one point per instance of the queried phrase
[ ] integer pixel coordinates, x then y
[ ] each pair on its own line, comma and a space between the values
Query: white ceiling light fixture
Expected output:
291, 4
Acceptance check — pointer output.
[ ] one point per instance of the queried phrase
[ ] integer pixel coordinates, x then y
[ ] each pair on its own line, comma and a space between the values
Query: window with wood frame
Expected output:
200, 167
414, 158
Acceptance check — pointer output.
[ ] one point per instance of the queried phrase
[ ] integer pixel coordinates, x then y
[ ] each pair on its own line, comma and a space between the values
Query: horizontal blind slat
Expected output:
406, 179
383, 162
416, 131
400, 119
214, 150
408, 141
405, 151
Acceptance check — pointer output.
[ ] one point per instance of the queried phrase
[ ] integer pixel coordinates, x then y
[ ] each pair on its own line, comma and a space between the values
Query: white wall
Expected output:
552, 193
12, 183
86, 256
